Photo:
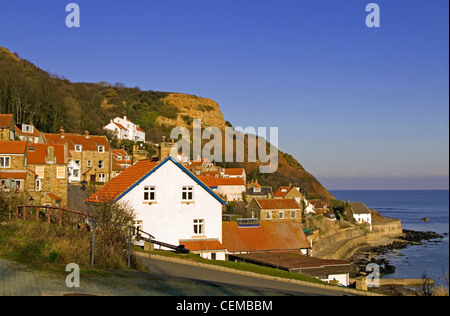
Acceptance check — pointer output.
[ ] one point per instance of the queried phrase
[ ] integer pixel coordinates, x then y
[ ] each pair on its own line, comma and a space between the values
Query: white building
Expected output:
123, 128
361, 213
171, 204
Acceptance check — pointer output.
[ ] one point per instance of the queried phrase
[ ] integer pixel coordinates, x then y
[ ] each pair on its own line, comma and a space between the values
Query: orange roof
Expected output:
120, 126
20, 132
202, 244
278, 204
117, 167
229, 181
281, 191
54, 196
208, 180
13, 175
123, 181
6, 120
37, 153
269, 236
234, 171
12, 147
88, 142
139, 129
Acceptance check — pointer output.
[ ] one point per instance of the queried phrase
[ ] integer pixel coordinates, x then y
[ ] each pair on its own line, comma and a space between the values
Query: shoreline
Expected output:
368, 252
372, 250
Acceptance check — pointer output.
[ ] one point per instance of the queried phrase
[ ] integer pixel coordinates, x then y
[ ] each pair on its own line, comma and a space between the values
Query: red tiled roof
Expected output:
88, 142
117, 167
139, 129
123, 181
281, 192
13, 175
269, 236
6, 120
234, 171
12, 147
208, 180
202, 244
20, 132
54, 196
278, 204
37, 153
120, 126
230, 181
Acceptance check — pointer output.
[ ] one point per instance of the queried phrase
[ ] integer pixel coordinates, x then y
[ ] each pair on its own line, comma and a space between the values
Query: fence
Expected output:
80, 220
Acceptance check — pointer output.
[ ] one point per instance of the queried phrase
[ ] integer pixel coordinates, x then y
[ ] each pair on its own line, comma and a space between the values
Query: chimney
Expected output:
86, 133
51, 155
61, 130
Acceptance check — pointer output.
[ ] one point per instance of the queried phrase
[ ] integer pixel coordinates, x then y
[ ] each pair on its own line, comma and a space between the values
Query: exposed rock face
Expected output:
191, 107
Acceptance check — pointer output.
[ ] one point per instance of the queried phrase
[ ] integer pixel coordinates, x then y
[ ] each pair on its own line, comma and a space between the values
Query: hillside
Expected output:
50, 101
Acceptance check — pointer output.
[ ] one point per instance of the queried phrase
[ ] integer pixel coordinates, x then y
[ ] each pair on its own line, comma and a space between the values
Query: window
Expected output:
101, 149
281, 214
100, 164
78, 162
149, 194
187, 194
293, 214
268, 215
38, 185
89, 163
101, 177
40, 171
199, 226
78, 148
60, 172
5, 162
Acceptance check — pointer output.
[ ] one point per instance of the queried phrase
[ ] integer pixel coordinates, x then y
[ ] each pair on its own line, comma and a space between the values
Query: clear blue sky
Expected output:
360, 108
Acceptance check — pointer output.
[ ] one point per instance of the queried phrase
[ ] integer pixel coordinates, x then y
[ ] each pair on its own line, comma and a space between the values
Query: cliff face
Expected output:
50, 101
191, 107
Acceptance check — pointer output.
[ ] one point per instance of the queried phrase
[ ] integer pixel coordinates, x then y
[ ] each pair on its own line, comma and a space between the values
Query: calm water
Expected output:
431, 257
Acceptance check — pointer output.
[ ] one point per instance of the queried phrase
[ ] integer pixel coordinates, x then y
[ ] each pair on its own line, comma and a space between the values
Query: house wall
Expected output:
94, 156
169, 219
49, 183
231, 192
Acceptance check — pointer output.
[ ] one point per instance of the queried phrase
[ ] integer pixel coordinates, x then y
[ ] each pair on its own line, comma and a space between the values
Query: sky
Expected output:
358, 107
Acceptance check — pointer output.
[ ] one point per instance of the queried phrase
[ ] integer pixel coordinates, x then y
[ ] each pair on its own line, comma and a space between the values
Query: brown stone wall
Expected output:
94, 156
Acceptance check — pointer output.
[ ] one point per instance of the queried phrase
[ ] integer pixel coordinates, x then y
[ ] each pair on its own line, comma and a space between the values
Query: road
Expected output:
193, 274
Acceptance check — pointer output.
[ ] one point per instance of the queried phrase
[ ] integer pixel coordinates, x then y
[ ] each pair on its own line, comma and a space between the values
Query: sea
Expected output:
410, 206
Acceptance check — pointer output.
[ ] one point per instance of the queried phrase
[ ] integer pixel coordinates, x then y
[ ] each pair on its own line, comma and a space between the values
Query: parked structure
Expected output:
361, 213
274, 209
123, 128
90, 157
170, 203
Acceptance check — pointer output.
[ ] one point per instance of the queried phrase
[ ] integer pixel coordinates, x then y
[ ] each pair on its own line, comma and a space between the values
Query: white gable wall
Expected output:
169, 219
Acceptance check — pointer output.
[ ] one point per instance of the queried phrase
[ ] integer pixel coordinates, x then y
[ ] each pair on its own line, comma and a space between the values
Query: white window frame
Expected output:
148, 191
281, 214
187, 194
38, 185
78, 148
199, 227
102, 177
101, 149
89, 163
101, 164
5, 162
293, 214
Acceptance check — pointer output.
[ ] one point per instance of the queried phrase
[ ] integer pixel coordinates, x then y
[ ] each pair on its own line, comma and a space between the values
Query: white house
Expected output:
123, 128
171, 204
361, 213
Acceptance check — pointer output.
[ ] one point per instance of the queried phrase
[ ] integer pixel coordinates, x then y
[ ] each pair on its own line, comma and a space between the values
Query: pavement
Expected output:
165, 278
